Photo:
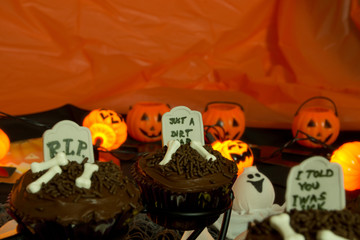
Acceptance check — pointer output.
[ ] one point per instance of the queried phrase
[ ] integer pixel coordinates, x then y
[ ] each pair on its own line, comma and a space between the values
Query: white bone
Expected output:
200, 149
35, 186
281, 223
173, 145
59, 159
328, 235
84, 181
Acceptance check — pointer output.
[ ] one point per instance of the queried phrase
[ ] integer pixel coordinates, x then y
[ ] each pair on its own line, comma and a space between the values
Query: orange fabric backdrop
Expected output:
269, 56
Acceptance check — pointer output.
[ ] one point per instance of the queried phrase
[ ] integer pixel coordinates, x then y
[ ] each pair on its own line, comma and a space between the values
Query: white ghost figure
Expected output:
254, 197
252, 191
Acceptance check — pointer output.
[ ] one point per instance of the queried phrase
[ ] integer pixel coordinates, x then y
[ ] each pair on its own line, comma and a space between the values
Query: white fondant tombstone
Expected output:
315, 184
182, 124
252, 191
68, 137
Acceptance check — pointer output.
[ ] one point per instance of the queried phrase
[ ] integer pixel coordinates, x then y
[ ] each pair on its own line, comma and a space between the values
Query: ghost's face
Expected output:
256, 180
252, 191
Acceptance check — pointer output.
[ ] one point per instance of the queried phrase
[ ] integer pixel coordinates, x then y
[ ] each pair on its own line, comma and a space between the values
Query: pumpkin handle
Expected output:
317, 97
209, 103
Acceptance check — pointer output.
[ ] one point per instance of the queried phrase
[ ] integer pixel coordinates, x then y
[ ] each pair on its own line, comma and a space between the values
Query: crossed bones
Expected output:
53, 166
281, 223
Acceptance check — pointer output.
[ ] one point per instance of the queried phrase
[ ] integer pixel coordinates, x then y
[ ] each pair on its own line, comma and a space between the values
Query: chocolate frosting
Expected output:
62, 201
343, 223
188, 171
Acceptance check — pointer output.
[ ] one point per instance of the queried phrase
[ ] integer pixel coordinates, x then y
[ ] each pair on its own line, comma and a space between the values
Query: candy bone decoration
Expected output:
281, 223
60, 160
202, 151
328, 235
173, 145
35, 186
84, 181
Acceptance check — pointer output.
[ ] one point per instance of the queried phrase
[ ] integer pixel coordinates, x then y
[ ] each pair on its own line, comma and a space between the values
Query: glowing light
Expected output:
237, 151
349, 159
4, 144
108, 129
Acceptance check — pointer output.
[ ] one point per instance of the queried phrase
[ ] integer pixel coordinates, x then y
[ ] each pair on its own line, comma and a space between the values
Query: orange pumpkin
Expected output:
319, 122
144, 121
224, 120
4, 144
348, 156
236, 150
108, 129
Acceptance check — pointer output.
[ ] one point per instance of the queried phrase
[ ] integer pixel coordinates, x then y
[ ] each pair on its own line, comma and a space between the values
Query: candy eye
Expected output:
250, 176
257, 174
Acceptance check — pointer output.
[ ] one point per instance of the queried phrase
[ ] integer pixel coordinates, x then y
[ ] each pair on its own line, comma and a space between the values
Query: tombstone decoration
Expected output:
68, 137
315, 184
182, 124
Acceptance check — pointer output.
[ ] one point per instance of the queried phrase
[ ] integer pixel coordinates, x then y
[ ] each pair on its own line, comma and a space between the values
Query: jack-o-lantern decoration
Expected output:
144, 121
224, 120
348, 156
108, 129
319, 122
236, 150
4, 144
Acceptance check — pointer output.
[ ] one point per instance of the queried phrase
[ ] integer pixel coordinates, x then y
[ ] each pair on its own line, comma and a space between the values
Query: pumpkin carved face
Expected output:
348, 156
224, 120
320, 123
236, 150
144, 121
108, 129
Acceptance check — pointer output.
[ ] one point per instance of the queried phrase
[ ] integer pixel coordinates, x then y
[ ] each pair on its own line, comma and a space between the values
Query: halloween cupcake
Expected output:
185, 186
68, 200
307, 224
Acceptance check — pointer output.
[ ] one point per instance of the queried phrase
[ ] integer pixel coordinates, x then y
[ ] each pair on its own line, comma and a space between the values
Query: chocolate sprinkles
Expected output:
188, 161
109, 176
343, 223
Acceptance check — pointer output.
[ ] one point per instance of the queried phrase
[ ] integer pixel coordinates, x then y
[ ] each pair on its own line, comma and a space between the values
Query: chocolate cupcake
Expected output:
311, 224
70, 207
184, 189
